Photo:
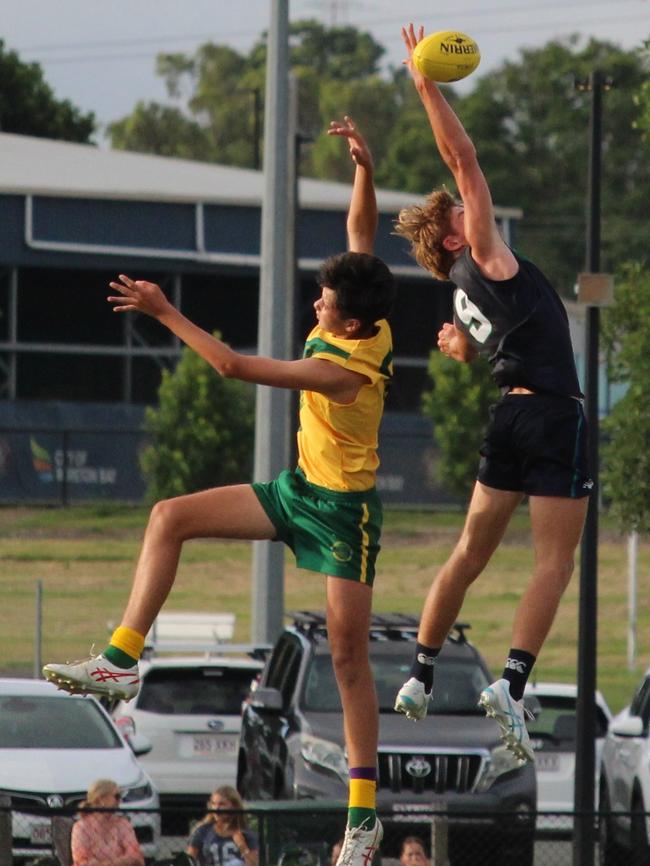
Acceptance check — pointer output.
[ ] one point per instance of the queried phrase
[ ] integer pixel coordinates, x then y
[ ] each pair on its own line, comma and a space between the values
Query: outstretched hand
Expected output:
359, 150
411, 39
139, 296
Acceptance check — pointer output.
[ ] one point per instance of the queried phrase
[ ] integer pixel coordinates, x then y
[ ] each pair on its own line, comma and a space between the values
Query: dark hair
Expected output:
412, 840
363, 284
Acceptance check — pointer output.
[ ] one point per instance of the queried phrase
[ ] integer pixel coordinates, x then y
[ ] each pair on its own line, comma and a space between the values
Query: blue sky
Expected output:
101, 56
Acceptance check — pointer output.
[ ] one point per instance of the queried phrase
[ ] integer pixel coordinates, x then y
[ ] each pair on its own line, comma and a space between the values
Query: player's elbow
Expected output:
228, 368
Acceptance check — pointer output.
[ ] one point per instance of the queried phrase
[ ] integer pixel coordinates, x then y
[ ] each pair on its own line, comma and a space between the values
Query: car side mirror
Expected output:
140, 745
630, 726
266, 699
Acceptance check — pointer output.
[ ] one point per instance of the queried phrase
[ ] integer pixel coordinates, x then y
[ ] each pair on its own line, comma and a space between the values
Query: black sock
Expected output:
517, 670
422, 667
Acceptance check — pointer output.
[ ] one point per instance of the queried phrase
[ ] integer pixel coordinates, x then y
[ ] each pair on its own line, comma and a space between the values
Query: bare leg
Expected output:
348, 621
557, 526
487, 518
223, 512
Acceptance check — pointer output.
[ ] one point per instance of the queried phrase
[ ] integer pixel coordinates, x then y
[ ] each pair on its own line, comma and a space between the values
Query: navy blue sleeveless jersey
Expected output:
520, 324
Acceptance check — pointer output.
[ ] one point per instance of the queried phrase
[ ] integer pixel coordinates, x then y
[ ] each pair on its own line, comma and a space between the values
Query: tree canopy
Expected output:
28, 105
626, 456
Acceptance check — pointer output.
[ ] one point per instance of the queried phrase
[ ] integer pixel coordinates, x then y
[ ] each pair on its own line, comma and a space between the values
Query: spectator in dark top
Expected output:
222, 838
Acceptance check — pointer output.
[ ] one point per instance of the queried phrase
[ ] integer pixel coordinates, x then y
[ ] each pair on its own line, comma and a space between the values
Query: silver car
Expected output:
625, 783
189, 708
52, 747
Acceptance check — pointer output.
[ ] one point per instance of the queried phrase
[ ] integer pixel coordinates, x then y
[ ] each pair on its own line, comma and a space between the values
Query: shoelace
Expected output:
354, 845
91, 658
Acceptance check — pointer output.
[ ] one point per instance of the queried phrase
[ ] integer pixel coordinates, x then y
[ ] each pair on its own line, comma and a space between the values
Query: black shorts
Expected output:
536, 443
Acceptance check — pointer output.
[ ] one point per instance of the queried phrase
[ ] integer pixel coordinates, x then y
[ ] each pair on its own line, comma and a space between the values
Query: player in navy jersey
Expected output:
535, 444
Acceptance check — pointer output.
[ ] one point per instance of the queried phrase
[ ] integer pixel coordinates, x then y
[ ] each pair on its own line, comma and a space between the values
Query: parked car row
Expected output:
274, 728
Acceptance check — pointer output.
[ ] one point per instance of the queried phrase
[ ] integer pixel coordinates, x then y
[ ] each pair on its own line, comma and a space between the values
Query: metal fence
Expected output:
304, 833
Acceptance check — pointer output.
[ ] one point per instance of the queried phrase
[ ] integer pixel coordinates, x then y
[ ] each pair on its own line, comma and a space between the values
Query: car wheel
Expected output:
610, 853
639, 833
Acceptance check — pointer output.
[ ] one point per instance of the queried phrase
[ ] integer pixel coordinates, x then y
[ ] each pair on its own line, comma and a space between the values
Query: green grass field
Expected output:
85, 558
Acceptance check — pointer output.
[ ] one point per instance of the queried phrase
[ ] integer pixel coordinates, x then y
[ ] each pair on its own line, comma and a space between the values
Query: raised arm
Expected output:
457, 150
312, 374
362, 215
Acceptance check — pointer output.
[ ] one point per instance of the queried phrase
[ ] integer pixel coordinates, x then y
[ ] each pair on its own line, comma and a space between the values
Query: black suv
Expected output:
292, 743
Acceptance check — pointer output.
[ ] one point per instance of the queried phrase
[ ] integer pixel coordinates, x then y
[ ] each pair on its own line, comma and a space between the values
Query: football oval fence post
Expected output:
5, 830
439, 837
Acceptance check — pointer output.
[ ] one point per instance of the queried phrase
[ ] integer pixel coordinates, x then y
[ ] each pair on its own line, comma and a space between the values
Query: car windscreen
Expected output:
41, 722
556, 722
195, 691
458, 684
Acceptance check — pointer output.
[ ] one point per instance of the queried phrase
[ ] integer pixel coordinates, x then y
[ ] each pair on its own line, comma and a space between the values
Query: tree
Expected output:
217, 92
202, 431
626, 456
28, 105
643, 96
458, 404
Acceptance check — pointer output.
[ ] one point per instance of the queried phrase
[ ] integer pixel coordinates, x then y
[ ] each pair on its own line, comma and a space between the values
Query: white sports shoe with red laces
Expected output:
360, 845
95, 676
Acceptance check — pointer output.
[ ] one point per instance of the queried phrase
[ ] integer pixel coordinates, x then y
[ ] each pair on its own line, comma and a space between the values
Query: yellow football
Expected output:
446, 56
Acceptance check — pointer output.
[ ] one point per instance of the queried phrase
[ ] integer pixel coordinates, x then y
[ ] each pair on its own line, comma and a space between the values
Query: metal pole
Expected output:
38, 631
64, 474
632, 574
12, 376
272, 406
585, 769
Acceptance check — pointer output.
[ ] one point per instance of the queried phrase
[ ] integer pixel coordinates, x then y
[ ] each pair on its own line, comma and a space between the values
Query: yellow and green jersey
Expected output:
337, 443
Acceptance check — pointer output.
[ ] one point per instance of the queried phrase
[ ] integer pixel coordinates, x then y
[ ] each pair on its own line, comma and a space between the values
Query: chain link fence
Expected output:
304, 834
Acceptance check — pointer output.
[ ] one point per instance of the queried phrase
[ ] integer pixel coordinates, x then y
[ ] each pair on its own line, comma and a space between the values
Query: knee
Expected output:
163, 520
349, 658
558, 573
470, 560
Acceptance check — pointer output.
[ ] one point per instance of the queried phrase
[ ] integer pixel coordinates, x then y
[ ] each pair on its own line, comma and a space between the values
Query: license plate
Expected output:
40, 834
209, 745
549, 763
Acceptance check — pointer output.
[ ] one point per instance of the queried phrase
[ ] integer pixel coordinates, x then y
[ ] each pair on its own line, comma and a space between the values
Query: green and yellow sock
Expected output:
125, 647
363, 793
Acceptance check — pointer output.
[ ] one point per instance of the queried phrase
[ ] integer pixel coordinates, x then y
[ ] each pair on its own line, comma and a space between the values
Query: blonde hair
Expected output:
238, 822
97, 791
425, 227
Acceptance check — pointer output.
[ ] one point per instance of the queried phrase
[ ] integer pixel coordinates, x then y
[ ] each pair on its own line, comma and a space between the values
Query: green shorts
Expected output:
331, 532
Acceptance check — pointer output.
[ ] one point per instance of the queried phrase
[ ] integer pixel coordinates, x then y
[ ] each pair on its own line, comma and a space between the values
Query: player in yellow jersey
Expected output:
327, 510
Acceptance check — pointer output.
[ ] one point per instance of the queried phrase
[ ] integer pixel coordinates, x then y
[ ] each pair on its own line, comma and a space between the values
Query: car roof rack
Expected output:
383, 626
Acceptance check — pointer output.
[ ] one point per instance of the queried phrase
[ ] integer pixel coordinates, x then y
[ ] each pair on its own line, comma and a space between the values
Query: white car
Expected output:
625, 783
553, 737
52, 747
190, 710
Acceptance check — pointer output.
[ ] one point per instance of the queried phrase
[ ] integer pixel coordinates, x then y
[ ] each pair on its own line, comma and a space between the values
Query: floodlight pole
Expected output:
274, 334
585, 767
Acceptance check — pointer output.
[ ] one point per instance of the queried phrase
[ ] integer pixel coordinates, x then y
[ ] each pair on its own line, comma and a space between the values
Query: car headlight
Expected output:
326, 755
501, 761
141, 791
